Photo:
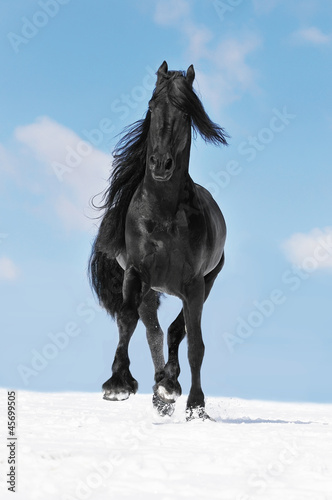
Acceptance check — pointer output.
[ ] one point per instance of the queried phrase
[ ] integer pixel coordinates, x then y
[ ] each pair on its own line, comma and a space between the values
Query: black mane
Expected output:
182, 96
130, 155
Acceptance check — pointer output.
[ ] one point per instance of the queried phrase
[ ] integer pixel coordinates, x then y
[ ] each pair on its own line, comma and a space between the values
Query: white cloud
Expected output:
311, 35
227, 74
76, 169
312, 250
8, 270
198, 39
171, 11
7, 161
230, 75
230, 57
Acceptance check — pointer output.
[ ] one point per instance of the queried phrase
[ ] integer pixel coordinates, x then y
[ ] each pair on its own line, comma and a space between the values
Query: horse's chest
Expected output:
163, 248
162, 255
165, 266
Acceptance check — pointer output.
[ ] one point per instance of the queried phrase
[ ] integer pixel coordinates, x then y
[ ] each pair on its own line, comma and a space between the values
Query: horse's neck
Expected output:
165, 198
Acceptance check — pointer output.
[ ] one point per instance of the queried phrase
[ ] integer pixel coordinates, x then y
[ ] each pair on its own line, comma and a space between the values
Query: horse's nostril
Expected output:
168, 164
153, 160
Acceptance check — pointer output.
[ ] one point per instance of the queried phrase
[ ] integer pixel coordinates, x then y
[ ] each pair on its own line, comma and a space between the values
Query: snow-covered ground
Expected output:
78, 446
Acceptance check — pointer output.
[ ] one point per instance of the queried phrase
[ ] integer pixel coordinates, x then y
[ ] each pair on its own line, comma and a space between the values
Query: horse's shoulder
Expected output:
205, 196
211, 208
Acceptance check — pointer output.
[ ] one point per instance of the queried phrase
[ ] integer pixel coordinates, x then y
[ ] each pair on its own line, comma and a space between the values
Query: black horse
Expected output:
160, 233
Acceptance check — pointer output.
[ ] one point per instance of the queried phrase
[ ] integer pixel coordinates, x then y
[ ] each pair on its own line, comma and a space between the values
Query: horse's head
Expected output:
169, 136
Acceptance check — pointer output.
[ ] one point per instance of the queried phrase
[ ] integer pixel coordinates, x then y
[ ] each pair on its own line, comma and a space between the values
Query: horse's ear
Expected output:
190, 76
162, 71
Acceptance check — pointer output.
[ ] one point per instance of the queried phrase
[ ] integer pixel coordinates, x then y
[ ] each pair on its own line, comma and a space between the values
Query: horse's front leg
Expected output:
192, 308
155, 336
122, 384
167, 388
167, 385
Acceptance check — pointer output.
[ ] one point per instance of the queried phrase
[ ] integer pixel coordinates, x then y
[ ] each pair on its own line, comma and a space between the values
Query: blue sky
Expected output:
74, 74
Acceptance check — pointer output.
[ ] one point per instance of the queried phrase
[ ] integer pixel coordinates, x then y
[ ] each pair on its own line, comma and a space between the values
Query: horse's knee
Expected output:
127, 317
176, 331
132, 288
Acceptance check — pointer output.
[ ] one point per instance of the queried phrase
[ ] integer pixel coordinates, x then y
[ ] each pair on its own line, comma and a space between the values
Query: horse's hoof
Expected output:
197, 413
113, 396
119, 388
165, 395
162, 408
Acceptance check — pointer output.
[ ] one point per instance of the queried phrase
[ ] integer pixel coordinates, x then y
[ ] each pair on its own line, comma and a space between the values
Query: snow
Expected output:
79, 446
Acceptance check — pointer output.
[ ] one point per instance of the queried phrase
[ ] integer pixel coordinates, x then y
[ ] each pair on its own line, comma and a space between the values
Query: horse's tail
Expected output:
106, 278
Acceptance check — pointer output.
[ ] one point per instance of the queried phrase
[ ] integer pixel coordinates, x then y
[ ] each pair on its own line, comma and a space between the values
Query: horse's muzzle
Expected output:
162, 167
